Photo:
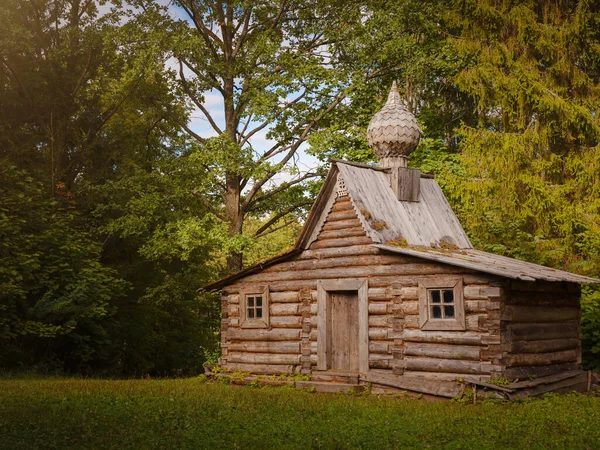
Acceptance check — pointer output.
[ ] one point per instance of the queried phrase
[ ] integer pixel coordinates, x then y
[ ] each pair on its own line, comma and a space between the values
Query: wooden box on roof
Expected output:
384, 287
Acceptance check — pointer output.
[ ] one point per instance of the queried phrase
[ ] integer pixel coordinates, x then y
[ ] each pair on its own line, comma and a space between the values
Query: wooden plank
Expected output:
343, 242
263, 335
533, 314
544, 346
443, 351
442, 389
363, 327
322, 339
541, 331
265, 347
445, 365
442, 337
327, 263
274, 369
542, 359
339, 252
524, 372
262, 358
351, 272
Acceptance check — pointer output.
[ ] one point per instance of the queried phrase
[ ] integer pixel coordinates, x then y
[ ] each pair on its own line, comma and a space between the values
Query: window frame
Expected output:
245, 321
457, 323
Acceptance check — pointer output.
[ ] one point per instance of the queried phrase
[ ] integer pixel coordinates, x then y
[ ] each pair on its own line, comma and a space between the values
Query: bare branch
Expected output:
199, 138
195, 100
278, 216
272, 230
284, 186
271, 118
243, 33
210, 207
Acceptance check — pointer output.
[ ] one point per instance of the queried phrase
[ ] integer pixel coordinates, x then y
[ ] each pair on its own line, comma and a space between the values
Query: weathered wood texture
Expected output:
541, 333
396, 344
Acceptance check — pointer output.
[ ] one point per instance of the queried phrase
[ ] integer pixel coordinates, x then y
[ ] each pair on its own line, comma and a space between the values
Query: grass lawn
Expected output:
189, 413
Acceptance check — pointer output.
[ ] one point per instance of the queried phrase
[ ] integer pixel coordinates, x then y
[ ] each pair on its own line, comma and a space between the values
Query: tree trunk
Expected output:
233, 212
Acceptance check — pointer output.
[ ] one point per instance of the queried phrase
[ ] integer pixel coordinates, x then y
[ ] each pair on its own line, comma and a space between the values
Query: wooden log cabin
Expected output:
383, 287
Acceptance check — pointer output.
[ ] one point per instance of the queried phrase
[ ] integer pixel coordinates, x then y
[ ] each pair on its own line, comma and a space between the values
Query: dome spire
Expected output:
393, 132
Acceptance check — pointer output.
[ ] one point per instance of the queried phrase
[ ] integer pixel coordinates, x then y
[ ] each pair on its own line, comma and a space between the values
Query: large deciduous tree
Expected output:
275, 66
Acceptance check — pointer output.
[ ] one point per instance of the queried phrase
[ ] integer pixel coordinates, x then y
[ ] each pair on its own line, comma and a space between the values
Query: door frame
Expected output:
324, 289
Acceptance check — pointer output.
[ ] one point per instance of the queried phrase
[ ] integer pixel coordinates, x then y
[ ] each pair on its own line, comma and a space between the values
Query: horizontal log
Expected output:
265, 347
234, 310
411, 322
542, 359
270, 369
446, 365
542, 331
543, 286
481, 292
379, 357
284, 297
233, 298
378, 308
376, 347
263, 335
380, 321
443, 351
410, 307
342, 204
335, 216
524, 372
328, 263
552, 345
286, 321
379, 364
379, 294
341, 224
343, 233
263, 358
284, 309
549, 299
378, 333
442, 337
533, 314
409, 293
342, 242
352, 272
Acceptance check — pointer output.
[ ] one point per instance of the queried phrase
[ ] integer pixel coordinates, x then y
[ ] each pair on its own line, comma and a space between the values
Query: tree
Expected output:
275, 68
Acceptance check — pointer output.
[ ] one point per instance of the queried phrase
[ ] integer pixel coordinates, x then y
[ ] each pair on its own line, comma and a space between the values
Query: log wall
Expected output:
396, 343
541, 332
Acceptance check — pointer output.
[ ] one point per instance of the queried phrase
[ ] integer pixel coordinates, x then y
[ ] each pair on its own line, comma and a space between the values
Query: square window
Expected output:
254, 308
441, 304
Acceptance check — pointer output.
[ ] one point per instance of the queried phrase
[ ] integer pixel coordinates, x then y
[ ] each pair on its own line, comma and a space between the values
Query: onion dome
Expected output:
393, 132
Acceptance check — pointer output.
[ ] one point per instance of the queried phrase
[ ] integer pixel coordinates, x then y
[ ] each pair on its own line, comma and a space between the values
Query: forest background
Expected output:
148, 148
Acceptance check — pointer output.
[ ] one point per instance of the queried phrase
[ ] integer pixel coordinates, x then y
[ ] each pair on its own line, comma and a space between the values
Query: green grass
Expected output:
188, 413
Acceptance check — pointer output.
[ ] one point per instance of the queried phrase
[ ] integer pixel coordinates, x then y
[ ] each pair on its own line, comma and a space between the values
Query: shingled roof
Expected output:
426, 229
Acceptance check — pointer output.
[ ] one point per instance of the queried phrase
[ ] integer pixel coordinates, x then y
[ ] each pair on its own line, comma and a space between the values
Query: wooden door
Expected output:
344, 331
